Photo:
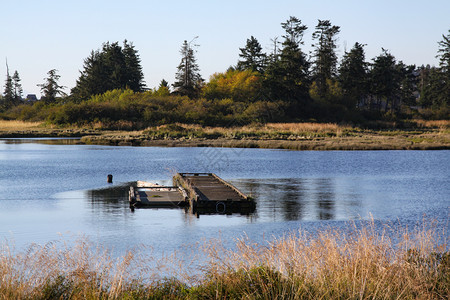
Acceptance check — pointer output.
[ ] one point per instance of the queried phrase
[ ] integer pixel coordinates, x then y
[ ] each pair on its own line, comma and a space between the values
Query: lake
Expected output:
52, 189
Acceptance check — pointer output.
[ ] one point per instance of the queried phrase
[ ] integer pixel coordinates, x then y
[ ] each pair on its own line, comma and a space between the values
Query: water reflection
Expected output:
109, 199
325, 199
42, 140
302, 199
276, 200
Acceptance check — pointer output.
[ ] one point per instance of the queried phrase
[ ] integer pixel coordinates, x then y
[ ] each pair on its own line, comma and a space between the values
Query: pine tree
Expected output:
444, 53
353, 76
325, 58
188, 79
17, 87
8, 94
163, 89
115, 66
287, 77
50, 88
112, 67
252, 57
444, 67
385, 80
135, 76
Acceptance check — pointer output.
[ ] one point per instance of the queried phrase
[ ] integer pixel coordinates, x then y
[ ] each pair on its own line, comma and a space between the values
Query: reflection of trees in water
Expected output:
292, 199
325, 199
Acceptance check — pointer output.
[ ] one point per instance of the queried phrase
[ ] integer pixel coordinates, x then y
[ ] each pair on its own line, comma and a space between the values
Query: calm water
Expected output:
49, 189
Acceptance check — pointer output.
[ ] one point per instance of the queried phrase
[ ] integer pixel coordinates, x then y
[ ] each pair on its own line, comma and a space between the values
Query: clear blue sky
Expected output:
37, 36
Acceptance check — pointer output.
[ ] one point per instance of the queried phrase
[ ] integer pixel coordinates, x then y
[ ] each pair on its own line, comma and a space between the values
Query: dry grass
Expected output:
256, 131
439, 124
363, 263
366, 264
306, 127
18, 125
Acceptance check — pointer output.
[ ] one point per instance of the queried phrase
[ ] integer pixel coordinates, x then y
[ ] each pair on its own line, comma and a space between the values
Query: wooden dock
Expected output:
157, 196
209, 192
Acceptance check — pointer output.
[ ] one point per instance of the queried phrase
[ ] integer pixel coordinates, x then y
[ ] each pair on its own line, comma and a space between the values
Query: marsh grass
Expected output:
9, 125
277, 131
365, 262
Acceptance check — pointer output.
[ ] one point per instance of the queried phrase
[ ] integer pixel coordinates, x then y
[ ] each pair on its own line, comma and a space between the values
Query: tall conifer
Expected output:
188, 80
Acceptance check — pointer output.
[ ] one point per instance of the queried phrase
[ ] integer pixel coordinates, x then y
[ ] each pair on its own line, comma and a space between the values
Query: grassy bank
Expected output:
22, 129
417, 135
294, 136
365, 263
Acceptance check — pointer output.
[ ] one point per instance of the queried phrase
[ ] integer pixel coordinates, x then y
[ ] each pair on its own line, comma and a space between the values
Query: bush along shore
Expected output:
423, 135
365, 262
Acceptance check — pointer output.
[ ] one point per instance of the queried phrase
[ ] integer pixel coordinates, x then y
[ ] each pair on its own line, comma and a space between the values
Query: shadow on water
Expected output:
276, 200
110, 198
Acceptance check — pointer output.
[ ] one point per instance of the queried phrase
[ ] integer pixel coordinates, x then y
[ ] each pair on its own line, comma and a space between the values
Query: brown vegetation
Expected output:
16, 125
368, 262
294, 136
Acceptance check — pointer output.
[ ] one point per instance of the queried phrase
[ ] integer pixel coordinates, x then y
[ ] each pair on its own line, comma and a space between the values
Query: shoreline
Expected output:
429, 135
367, 141
322, 144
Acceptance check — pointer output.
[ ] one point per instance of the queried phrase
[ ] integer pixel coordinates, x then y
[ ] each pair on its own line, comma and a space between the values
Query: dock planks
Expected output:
157, 196
207, 190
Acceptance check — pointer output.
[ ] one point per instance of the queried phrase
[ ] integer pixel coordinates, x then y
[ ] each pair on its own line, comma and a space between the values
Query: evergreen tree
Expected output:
112, 67
423, 82
294, 31
115, 66
385, 81
135, 76
163, 89
444, 67
188, 80
325, 58
17, 87
287, 78
50, 88
408, 83
444, 53
8, 94
430, 87
253, 58
353, 76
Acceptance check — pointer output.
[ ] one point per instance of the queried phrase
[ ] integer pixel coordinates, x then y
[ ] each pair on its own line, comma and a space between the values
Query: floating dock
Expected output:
208, 192
152, 195
204, 193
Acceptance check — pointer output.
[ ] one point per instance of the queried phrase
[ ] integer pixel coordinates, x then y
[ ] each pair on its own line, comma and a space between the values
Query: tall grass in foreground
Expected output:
363, 263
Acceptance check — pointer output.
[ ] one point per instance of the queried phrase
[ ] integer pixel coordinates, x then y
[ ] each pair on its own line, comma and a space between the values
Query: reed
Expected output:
439, 124
277, 131
365, 262
13, 125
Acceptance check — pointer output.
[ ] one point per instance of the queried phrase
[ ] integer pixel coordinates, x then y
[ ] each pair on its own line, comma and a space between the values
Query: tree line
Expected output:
286, 84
